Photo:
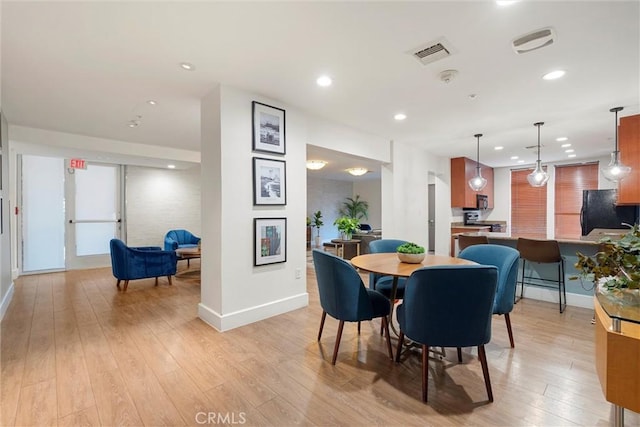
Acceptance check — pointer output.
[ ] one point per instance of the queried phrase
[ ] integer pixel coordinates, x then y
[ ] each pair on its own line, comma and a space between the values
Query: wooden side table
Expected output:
346, 249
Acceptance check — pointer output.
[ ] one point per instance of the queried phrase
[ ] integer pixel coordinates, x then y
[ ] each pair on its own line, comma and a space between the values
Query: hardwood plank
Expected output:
87, 417
72, 379
114, 404
40, 363
280, 412
37, 405
186, 396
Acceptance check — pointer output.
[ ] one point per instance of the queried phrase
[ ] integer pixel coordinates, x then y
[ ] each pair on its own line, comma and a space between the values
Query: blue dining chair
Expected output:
506, 259
448, 306
384, 284
344, 297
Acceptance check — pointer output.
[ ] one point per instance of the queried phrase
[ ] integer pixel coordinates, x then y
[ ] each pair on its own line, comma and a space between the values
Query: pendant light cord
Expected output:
478, 135
538, 124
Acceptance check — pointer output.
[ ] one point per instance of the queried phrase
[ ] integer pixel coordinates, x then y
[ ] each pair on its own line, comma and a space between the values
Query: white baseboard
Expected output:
6, 300
253, 314
551, 295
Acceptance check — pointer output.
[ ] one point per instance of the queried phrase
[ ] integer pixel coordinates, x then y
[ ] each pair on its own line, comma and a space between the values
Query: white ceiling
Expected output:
88, 68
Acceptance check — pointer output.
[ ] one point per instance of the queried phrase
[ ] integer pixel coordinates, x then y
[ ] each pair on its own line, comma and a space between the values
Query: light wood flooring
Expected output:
75, 351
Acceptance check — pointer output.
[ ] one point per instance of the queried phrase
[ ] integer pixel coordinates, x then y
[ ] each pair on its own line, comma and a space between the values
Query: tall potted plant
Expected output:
316, 222
355, 208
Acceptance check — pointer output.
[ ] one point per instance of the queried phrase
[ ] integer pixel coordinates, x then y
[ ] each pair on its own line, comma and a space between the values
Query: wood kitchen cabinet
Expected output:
629, 146
462, 170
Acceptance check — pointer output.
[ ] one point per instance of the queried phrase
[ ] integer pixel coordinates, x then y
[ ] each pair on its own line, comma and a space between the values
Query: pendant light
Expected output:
616, 171
538, 178
477, 183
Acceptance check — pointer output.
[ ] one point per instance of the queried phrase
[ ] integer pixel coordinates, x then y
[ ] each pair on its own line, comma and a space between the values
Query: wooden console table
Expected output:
617, 354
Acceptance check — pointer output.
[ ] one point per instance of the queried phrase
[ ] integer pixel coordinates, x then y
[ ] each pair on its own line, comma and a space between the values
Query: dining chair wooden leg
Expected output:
507, 319
386, 329
170, 282
459, 355
399, 349
156, 282
485, 371
335, 348
324, 316
425, 371
358, 327
126, 285
118, 284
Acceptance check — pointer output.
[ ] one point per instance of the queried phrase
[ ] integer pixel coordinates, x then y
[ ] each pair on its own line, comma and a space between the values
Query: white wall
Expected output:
234, 292
6, 281
370, 190
326, 195
159, 200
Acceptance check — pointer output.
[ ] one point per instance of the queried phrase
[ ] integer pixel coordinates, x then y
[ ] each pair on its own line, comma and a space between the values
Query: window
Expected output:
570, 181
528, 207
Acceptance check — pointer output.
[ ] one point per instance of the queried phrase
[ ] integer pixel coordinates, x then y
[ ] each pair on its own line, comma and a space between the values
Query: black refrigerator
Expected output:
599, 210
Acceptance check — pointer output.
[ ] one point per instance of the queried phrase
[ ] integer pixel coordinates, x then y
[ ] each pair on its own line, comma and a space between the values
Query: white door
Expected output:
93, 214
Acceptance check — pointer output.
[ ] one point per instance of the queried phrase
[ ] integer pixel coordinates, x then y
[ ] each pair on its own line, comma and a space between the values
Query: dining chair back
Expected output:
506, 259
449, 306
384, 284
344, 297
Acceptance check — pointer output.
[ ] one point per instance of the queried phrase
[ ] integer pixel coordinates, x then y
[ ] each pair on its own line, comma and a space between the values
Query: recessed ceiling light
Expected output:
171, 166
570, 150
400, 116
498, 148
514, 157
571, 155
554, 75
187, 66
133, 124
324, 81
505, 2
520, 161
565, 145
561, 138
473, 96
152, 102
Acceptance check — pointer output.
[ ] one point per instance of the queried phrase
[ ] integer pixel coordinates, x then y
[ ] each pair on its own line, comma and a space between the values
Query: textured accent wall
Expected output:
158, 200
327, 195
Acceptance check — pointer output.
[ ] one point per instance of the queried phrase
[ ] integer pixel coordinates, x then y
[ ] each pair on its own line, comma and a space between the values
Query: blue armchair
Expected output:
129, 263
447, 306
384, 284
180, 239
506, 259
344, 297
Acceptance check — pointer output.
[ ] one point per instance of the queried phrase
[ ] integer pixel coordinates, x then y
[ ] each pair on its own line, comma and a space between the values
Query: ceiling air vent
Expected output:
534, 40
431, 52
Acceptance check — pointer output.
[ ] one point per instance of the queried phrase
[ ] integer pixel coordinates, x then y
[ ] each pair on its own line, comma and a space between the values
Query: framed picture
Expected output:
268, 128
270, 241
269, 182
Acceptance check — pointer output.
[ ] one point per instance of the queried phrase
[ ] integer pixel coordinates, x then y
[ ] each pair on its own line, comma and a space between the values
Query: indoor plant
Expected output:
316, 222
355, 208
615, 269
347, 226
410, 253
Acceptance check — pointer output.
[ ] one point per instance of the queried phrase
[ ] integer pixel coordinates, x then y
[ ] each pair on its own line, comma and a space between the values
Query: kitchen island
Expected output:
579, 291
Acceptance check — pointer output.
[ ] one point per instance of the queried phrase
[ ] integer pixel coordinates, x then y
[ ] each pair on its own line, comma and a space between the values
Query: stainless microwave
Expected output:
482, 201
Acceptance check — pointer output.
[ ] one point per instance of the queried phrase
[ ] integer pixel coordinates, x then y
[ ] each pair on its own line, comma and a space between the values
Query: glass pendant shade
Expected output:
615, 170
538, 178
477, 183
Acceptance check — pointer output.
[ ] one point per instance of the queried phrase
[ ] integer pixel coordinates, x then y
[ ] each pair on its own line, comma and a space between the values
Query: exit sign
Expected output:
77, 164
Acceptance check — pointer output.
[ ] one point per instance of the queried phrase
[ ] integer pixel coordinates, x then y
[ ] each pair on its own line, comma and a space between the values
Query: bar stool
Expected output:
542, 252
468, 240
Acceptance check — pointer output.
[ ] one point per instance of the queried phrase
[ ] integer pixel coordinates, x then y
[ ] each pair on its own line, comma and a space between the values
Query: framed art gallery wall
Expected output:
236, 291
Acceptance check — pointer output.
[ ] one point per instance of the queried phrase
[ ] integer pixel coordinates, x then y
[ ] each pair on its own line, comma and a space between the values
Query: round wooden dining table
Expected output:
388, 264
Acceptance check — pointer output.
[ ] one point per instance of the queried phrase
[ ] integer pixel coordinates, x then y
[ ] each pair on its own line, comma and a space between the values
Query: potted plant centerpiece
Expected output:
615, 270
316, 222
347, 226
410, 253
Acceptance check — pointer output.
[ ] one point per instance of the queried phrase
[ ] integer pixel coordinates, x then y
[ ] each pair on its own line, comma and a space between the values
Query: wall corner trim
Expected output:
250, 315
6, 300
